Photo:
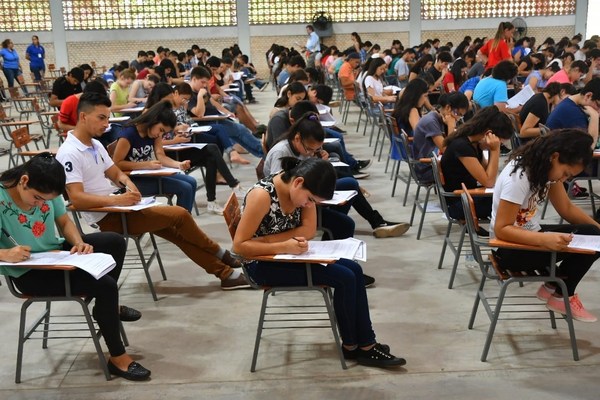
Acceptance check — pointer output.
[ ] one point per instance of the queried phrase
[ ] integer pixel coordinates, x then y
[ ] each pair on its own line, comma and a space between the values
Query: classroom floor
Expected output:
198, 340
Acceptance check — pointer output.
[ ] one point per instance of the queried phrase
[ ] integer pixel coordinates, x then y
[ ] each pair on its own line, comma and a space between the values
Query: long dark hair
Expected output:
574, 146
408, 99
292, 88
319, 175
46, 174
456, 71
159, 92
487, 119
161, 112
308, 127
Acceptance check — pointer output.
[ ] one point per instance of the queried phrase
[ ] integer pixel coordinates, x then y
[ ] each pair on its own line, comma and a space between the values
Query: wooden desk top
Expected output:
517, 246
480, 191
210, 118
32, 153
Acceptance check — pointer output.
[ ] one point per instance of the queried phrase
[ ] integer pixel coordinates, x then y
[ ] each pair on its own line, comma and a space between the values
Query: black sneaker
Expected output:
369, 280
353, 354
378, 356
363, 164
126, 314
483, 232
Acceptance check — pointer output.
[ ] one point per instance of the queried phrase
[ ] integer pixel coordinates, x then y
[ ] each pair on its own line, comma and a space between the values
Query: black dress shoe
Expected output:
135, 371
369, 280
126, 314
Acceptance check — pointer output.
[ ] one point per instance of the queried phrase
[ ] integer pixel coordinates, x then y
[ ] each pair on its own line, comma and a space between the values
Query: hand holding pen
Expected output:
296, 245
17, 253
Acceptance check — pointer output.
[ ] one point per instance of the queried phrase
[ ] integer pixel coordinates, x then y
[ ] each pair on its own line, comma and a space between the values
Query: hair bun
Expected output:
289, 163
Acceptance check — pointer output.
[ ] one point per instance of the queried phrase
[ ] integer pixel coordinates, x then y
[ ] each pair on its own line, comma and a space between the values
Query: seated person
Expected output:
280, 217
493, 90
434, 127
119, 92
305, 140
283, 120
373, 83
536, 171
292, 94
570, 74
65, 86
407, 110
347, 74
202, 105
535, 111
209, 156
32, 191
538, 78
138, 140
463, 160
90, 171
141, 88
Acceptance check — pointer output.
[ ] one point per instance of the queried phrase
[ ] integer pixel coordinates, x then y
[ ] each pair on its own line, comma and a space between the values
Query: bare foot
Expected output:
235, 158
220, 179
122, 362
240, 149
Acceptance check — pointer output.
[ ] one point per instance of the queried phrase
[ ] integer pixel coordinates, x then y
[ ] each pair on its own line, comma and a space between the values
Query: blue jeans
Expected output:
181, 185
337, 222
219, 133
242, 135
341, 146
349, 297
37, 72
11, 74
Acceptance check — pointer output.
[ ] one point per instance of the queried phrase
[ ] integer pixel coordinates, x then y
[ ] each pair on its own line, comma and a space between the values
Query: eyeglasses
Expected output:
457, 114
309, 150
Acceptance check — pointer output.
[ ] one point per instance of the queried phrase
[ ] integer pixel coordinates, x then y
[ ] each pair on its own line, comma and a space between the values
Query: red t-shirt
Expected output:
449, 78
68, 110
500, 53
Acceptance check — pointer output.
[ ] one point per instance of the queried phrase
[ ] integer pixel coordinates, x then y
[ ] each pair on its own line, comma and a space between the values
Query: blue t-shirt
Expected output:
36, 55
10, 59
490, 91
567, 114
33, 228
141, 148
469, 84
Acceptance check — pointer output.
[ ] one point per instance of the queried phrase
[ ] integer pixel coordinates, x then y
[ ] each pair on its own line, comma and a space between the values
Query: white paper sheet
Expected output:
520, 98
587, 242
184, 146
155, 171
329, 249
96, 264
340, 197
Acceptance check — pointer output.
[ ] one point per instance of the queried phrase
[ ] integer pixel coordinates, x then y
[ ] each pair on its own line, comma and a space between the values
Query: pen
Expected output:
9, 237
126, 187
295, 238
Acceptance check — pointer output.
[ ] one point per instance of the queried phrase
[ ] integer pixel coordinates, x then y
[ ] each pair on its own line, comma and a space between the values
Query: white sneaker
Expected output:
214, 207
239, 192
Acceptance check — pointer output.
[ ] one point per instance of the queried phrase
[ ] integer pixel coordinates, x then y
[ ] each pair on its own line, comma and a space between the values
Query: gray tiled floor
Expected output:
198, 340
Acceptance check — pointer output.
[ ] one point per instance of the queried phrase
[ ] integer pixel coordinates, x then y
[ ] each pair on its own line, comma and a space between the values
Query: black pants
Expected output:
211, 158
104, 290
573, 267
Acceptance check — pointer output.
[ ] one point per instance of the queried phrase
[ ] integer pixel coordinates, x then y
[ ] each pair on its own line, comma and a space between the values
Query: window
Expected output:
289, 11
19, 16
126, 14
451, 9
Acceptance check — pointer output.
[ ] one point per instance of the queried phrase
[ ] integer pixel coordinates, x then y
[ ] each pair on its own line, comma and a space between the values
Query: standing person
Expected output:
280, 217
91, 176
11, 65
537, 171
313, 46
36, 54
31, 213
498, 48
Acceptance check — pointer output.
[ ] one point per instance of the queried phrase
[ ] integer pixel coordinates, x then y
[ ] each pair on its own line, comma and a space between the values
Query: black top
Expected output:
63, 89
454, 171
209, 109
536, 105
435, 73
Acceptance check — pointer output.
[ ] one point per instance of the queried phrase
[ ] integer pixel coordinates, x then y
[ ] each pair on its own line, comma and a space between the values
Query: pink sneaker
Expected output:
544, 293
557, 304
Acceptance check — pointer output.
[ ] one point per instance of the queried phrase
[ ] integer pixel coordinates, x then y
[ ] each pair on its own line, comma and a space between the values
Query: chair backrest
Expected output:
111, 148
3, 116
516, 123
232, 214
20, 136
472, 223
14, 92
438, 177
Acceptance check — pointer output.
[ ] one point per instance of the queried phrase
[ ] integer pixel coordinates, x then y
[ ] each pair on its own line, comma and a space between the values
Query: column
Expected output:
58, 34
243, 25
581, 14
414, 30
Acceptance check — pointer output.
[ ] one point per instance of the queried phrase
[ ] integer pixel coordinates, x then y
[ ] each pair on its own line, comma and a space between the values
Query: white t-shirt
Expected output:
86, 165
372, 82
514, 188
